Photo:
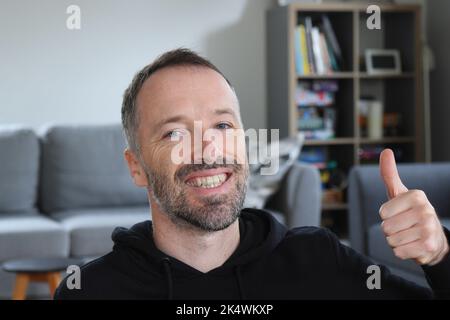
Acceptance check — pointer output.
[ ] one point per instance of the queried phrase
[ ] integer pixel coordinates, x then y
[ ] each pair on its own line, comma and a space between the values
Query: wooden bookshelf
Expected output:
401, 93
335, 75
404, 75
390, 140
329, 142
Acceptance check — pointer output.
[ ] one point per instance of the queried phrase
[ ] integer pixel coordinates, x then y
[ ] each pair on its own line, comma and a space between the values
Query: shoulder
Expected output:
313, 234
90, 281
311, 241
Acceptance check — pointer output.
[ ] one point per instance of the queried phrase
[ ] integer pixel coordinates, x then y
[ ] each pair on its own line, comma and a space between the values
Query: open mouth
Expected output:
208, 180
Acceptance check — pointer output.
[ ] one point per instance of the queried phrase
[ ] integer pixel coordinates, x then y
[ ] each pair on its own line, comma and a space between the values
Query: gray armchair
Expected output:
367, 193
299, 197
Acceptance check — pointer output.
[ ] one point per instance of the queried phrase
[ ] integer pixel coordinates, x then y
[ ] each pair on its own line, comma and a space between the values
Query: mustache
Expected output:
190, 168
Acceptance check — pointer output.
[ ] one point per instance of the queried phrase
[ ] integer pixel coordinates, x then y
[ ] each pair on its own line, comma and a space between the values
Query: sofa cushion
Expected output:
382, 252
19, 169
90, 229
84, 167
28, 235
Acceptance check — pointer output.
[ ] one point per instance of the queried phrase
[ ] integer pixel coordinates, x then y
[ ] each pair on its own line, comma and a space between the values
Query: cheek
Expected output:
159, 159
235, 148
238, 154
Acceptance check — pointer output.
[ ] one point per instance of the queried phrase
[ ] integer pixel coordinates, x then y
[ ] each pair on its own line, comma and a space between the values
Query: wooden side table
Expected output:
37, 270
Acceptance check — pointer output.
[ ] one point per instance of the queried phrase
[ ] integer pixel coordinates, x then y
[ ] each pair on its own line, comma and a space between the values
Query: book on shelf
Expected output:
298, 52
317, 50
314, 156
306, 96
316, 118
301, 51
304, 51
324, 53
308, 30
317, 126
334, 46
331, 175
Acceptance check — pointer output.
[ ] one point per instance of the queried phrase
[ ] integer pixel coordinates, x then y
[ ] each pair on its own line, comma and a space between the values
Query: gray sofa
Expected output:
64, 190
367, 193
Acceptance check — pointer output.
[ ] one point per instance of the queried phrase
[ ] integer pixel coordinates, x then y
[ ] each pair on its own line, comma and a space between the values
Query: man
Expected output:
202, 245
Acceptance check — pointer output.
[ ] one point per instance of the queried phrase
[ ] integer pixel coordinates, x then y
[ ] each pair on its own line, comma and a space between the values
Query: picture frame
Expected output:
383, 61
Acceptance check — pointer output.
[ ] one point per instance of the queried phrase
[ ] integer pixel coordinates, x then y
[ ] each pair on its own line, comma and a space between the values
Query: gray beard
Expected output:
216, 213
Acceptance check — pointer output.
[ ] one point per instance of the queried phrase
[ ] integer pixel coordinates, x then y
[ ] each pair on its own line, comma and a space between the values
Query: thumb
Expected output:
389, 173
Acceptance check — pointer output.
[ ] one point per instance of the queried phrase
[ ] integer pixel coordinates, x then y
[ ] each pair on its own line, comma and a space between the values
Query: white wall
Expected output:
50, 74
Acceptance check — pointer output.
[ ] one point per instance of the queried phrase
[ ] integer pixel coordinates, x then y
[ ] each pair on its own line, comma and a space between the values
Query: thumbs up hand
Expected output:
410, 223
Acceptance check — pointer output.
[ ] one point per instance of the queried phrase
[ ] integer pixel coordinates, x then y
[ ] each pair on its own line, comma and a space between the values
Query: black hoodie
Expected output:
269, 263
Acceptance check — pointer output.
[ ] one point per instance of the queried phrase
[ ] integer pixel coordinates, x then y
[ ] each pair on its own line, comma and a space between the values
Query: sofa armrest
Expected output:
299, 196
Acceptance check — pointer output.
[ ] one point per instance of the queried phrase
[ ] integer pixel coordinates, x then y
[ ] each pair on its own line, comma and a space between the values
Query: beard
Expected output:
210, 213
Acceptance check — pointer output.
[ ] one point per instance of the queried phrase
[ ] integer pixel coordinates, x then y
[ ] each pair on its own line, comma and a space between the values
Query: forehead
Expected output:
192, 91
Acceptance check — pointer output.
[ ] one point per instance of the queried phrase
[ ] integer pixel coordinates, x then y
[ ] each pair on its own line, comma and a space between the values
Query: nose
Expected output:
209, 149
211, 152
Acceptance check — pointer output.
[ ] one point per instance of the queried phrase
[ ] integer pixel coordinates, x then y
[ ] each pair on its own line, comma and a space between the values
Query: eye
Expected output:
223, 126
173, 134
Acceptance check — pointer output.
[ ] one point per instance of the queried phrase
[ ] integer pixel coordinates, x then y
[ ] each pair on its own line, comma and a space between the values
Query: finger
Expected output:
404, 237
402, 203
412, 250
389, 174
401, 221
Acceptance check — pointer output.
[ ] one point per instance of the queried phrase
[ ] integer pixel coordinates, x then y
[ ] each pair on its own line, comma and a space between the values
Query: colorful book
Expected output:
298, 52
333, 61
320, 66
305, 96
332, 39
309, 43
325, 55
304, 51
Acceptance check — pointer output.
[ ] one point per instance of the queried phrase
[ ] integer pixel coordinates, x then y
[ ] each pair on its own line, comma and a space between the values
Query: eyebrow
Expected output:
226, 111
183, 118
177, 118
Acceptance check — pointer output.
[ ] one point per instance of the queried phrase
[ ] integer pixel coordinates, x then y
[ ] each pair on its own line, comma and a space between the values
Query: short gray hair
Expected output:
177, 57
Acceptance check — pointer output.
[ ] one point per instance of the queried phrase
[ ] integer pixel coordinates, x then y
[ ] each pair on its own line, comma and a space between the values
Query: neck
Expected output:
201, 250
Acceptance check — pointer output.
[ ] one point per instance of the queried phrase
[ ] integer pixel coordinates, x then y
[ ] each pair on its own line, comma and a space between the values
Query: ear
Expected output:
136, 170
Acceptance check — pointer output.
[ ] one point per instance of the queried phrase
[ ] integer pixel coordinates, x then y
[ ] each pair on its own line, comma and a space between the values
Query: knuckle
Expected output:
426, 217
428, 211
422, 260
390, 241
398, 253
430, 245
418, 196
386, 227
423, 209
382, 212
427, 230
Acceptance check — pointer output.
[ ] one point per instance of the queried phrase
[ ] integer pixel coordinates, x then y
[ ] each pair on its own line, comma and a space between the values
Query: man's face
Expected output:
208, 193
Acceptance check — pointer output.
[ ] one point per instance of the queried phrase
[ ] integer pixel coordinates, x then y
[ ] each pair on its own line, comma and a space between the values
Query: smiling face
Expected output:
208, 193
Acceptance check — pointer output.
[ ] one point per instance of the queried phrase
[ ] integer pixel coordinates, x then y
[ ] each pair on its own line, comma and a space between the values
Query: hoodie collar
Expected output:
260, 233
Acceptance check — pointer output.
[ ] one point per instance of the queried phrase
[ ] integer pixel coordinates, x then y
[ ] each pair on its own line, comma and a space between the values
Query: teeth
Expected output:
208, 182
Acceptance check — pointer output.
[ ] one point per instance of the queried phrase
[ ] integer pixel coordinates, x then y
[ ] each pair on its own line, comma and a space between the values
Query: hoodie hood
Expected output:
260, 233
